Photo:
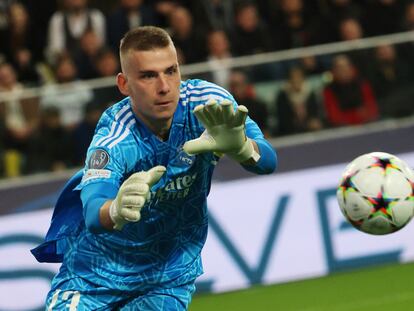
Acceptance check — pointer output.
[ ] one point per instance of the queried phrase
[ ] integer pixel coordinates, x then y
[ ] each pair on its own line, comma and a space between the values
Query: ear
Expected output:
122, 83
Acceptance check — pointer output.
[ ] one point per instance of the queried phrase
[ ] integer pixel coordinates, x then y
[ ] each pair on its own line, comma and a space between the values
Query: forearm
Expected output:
104, 217
96, 199
96, 214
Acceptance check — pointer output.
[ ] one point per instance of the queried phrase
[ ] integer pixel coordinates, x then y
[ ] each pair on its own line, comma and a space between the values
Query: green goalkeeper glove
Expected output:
225, 132
132, 195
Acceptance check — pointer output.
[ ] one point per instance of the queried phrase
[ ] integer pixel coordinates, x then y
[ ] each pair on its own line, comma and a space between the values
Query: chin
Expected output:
164, 115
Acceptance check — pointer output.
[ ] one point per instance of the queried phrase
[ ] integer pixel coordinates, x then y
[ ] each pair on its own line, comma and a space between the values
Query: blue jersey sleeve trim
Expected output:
93, 196
268, 158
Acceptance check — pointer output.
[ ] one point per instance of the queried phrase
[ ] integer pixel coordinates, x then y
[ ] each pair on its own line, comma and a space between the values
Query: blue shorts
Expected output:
78, 294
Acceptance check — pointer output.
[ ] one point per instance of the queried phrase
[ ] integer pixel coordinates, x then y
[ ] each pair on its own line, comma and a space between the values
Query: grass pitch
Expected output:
372, 289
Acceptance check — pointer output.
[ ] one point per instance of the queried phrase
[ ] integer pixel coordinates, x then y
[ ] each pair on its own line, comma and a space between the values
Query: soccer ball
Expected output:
376, 193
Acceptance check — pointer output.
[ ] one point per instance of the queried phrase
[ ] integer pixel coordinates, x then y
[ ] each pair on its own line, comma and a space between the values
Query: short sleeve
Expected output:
103, 164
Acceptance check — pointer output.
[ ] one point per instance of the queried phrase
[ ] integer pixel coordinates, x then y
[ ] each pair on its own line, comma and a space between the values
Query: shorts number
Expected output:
72, 297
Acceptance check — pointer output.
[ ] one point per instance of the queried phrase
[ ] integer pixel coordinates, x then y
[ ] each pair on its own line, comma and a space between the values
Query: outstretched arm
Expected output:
226, 134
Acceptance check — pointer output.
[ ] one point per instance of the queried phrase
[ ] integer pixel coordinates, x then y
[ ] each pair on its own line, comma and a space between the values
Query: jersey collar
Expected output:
146, 133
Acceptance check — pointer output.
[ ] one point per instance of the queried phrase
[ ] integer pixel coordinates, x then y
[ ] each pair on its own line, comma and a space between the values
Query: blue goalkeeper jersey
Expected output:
164, 247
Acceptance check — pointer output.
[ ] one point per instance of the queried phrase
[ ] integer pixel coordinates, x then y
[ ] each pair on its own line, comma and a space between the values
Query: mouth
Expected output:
164, 103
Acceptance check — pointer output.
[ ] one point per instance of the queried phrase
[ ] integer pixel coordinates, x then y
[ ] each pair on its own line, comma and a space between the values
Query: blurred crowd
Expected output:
49, 43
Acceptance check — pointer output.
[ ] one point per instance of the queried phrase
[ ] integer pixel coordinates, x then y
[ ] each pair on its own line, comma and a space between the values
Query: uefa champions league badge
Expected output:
98, 159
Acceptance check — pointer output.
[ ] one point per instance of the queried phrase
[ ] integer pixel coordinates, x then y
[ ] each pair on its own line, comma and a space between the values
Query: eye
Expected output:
148, 75
170, 71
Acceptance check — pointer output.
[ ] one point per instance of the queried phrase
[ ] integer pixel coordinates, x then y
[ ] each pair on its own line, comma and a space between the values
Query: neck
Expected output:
161, 132
160, 128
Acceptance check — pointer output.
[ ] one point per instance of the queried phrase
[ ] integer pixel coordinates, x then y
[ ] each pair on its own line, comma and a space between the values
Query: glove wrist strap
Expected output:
114, 215
246, 152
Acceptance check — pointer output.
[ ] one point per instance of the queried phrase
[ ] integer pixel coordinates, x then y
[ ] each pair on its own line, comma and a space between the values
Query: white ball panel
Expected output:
396, 185
359, 163
340, 198
380, 154
356, 206
369, 181
402, 212
377, 225
405, 168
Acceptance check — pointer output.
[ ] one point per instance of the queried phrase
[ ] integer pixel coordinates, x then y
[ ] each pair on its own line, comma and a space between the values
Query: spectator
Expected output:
333, 12
107, 65
348, 99
128, 15
251, 35
83, 132
40, 13
163, 9
186, 38
69, 98
390, 79
244, 94
214, 14
4, 7
407, 24
20, 43
85, 57
350, 29
67, 26
219, 57
297, 107
294, 28
19, 114
49, 148
314, 65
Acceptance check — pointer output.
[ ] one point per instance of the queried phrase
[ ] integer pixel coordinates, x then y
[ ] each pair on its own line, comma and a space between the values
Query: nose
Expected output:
163, 86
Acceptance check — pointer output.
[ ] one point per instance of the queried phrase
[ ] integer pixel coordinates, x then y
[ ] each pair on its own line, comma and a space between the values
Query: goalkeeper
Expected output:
129, 227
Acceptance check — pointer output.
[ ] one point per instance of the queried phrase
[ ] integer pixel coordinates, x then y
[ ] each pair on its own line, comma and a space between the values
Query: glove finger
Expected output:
141, 189
132, 201
137, 178
155, 174
201, 115
199, 145
131, 214
213, 112
240, 116
227, 111
135, 189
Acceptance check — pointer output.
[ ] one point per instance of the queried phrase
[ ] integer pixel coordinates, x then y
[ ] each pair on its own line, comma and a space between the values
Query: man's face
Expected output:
343, 70
152, 80
7, 76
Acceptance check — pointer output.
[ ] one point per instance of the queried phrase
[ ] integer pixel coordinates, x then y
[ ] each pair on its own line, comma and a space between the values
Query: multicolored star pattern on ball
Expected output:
381, 206
385, 163
347, 184
376, 193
